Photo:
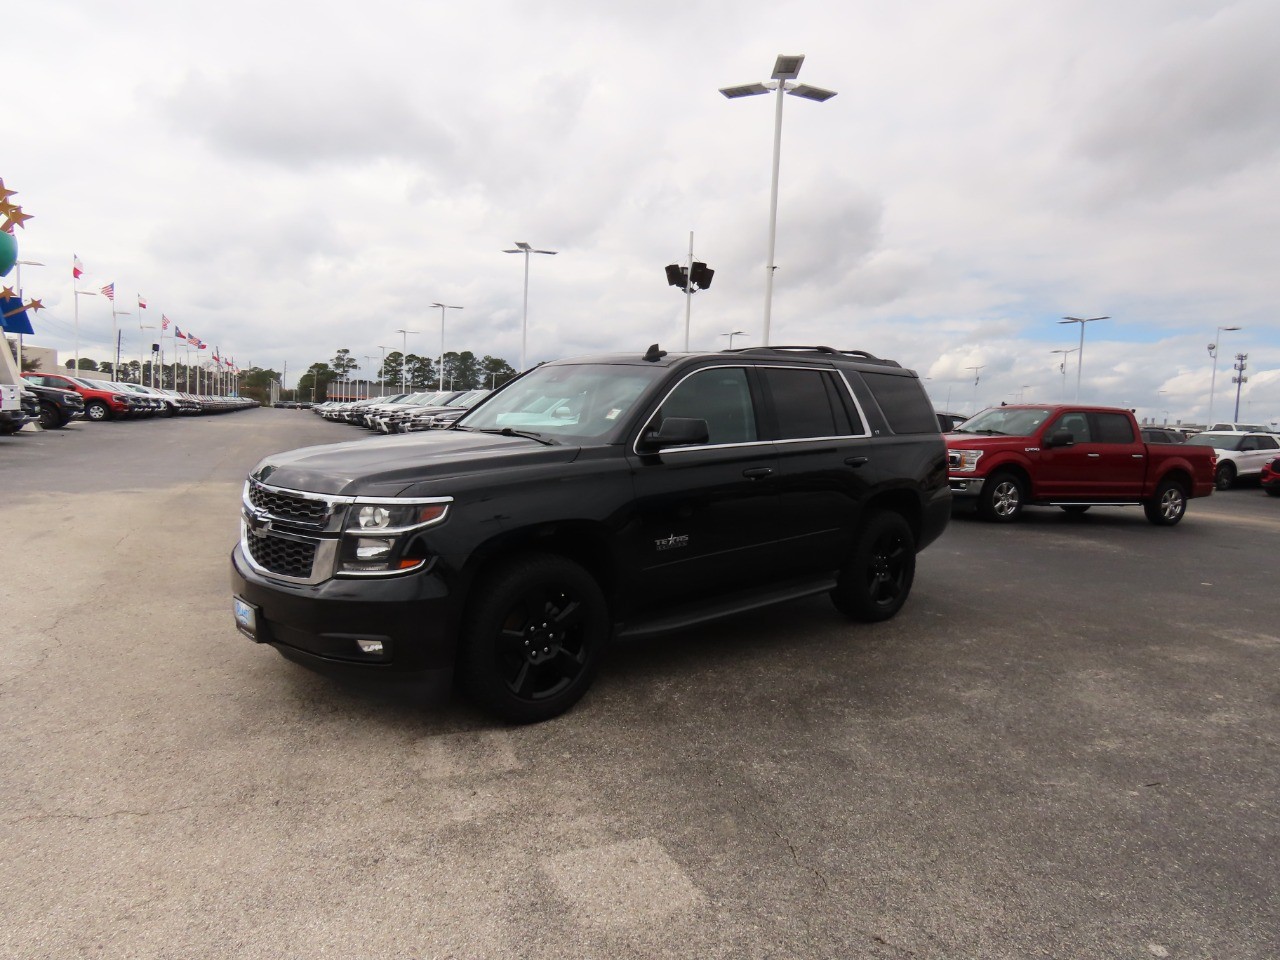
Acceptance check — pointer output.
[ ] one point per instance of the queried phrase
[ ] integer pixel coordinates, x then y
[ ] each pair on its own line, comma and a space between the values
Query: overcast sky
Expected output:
283, 179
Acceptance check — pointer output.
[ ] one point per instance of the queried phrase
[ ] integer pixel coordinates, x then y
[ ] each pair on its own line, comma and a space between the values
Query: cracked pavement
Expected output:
1063, 747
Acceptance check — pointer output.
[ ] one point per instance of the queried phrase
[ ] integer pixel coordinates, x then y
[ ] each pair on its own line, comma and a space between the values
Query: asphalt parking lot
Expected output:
1065, 746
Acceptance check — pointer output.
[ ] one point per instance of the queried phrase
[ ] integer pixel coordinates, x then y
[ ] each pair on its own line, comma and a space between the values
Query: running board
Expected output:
690, 615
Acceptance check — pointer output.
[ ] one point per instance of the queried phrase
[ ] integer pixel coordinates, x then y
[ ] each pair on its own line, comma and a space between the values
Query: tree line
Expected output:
463, 370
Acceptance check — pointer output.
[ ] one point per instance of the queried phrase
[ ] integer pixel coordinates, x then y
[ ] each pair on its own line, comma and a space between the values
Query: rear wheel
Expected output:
1002, 498
876, 581
1225, 476
1168, 505
533, 638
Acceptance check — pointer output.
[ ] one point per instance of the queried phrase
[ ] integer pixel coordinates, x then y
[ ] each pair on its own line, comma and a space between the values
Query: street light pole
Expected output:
76, 299
443, 307
404, 358
1213, 352
522, 247
977, 375
1062, 367
1239, 380
1080, 359
785, 69
382, 387
733, 333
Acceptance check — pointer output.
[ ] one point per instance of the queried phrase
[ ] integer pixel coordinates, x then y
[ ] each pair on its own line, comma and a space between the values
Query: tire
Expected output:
1225, 476
1074, 508
97, 411
876, 581
1272, 491
1002, 498
50, 418
533, 638
1168, 506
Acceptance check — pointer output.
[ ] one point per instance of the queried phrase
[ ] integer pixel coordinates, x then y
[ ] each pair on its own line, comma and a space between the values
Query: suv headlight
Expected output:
380, 535
963, 461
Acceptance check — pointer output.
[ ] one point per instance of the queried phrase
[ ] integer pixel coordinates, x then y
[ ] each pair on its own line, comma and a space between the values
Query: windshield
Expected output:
588, 400
1221, 441
1006, 421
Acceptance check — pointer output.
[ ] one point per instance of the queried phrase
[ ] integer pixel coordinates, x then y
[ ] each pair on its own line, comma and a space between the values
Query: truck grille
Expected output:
288, 558
288, 506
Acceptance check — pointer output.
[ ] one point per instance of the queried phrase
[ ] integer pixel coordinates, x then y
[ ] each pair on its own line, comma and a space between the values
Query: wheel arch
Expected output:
582, 541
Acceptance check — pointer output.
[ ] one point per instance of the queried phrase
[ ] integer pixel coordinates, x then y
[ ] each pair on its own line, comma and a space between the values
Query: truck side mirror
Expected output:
1061, 439
675, 432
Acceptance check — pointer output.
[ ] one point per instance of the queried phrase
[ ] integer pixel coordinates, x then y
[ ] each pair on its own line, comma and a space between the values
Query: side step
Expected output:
692, 614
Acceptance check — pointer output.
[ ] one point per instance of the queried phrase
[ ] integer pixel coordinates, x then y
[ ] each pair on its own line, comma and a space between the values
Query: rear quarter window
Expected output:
905, 405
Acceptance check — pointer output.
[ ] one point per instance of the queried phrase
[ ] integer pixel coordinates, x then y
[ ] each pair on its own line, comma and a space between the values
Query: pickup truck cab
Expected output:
592, 500
1073, 457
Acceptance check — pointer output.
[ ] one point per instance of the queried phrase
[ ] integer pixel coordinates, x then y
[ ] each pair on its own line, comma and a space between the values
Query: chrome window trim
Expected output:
865, 435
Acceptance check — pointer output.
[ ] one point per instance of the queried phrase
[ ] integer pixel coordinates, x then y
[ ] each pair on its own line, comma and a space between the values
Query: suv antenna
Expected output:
653, 354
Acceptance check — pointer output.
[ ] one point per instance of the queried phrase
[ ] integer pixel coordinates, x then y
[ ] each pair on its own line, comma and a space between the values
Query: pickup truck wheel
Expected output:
50, 419
1168, 505
876, 581
96, 410
1002, 498
1225, 476
532, 641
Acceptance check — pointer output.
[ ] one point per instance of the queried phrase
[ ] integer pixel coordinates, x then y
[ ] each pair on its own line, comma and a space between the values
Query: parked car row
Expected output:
55, 399
403, 413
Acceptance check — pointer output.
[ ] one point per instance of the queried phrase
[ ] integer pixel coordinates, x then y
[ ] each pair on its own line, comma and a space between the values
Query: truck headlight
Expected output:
963, 461
380, 535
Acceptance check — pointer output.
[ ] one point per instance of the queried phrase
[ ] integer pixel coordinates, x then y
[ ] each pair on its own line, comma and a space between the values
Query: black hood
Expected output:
387, 466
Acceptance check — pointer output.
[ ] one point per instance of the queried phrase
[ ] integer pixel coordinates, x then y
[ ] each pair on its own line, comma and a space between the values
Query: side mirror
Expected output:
1061, 439
675, 432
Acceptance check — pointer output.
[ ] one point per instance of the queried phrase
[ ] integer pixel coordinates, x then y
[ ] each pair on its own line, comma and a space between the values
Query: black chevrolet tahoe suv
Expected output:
590, 501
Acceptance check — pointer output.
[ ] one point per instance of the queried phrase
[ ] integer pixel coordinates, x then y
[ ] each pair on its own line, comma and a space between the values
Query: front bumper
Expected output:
965, 486
318, 625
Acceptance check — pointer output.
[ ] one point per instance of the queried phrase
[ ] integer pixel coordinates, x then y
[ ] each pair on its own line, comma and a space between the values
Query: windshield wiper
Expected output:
988, 433
528, 434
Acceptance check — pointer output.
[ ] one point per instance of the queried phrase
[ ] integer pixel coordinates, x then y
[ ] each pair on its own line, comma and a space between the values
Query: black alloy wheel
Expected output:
876, 581
533, 638
50, 418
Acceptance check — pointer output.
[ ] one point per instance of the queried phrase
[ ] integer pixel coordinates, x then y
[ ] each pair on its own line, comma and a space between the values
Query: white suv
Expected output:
1240, 454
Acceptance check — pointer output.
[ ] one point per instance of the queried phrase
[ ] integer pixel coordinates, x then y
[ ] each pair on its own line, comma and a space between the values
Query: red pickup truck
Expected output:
1073, 457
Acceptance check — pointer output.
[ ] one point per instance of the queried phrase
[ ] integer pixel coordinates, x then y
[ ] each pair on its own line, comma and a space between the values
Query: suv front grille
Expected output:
288, 506
285, 557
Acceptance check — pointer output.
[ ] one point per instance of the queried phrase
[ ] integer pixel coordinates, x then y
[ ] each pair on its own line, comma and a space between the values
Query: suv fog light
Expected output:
369, 646
368, 549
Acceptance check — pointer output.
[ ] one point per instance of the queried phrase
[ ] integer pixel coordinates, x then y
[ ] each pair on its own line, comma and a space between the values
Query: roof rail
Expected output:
818, 349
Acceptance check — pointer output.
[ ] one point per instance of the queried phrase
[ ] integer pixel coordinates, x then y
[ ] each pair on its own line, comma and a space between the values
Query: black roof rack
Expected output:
861, 355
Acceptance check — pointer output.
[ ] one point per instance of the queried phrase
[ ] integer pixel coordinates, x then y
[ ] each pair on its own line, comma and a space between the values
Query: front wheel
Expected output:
1225, 476
97, 411
1168, 505
1002, 498
533, 638
50, 418
876, 581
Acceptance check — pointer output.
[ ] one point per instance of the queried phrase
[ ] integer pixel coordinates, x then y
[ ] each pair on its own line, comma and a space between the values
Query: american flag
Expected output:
77, 268
109, 291
142, 303
164, 322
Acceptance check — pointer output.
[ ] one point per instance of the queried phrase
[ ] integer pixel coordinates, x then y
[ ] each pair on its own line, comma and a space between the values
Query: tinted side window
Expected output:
805, 404
1076, 424
903, 400
721, 397
1267, 443
1113, 428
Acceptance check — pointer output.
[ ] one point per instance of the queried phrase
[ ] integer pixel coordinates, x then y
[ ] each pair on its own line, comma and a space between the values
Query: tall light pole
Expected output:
443, 307
382, 387
977, 375
76, 299
522, 247
1213, 352
404, 358
368, 387
1239, 380
785, 70
1080, 359
733, 333
115, 335
1062, 368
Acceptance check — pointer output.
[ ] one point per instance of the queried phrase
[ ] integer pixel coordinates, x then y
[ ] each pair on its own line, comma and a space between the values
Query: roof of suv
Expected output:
662, 358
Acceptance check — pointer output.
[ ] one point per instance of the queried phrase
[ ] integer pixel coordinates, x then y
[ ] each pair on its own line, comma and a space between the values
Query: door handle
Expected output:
756, 473
1095, 455
855, 461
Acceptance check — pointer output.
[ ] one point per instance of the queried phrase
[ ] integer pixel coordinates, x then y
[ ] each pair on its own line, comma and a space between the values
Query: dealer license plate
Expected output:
246, 618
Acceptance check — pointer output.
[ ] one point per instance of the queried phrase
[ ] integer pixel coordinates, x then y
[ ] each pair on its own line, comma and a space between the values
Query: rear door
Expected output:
1119, 457
1255, 450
